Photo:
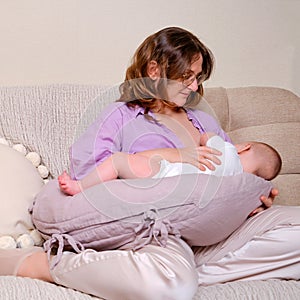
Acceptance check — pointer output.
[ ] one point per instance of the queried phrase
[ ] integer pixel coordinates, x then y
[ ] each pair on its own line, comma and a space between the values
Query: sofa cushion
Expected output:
270, 115
20, 182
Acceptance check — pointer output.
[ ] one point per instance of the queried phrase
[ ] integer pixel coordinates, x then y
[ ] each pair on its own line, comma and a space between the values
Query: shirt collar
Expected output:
141, 111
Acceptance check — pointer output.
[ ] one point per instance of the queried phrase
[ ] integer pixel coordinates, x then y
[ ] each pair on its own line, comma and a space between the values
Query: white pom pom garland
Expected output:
44, 172
4, 142
36, 237
7, 242
20, 148
25, 241
34, 158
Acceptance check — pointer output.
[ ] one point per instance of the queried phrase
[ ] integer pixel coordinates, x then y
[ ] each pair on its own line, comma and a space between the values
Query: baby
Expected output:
252, 157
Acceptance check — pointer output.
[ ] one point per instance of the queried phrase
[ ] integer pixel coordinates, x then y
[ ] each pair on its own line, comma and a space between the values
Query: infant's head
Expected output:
260, 159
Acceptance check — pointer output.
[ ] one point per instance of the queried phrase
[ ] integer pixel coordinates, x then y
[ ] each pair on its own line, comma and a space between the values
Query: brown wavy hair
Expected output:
174, 50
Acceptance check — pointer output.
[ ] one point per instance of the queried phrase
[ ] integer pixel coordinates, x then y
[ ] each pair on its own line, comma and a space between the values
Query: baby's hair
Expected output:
272, 162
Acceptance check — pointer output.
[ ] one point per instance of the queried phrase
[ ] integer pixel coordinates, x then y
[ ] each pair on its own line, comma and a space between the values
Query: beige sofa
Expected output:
47, 119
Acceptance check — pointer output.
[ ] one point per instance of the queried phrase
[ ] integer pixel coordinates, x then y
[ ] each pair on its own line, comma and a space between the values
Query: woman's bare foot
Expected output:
26, 262
36, 266
68, 185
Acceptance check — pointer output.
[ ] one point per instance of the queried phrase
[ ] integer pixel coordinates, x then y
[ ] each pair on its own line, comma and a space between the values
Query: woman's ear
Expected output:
153, 70
242, 147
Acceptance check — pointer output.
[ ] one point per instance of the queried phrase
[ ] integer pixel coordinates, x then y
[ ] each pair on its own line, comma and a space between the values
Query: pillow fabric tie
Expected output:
59, 239
155, 228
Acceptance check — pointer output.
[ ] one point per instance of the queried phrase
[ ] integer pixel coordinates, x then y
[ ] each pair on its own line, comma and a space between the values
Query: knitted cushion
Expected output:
20, 182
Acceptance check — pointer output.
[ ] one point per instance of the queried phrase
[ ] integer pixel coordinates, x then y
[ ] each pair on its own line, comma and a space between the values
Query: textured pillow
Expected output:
203, 209
20, 181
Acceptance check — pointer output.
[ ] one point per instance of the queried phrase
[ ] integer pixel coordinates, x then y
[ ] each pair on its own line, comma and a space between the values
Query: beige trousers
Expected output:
152, 272
265, 246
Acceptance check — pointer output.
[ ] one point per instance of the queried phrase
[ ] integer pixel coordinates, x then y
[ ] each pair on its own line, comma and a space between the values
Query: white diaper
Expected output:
168, 169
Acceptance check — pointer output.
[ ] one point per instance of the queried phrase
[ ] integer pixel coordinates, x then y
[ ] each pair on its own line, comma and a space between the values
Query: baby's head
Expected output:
260, 159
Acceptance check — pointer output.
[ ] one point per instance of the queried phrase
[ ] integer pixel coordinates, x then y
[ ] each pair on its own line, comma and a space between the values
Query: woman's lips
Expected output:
185, 93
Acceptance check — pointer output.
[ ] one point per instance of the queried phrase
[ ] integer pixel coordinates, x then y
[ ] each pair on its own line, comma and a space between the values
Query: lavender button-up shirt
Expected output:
123, 129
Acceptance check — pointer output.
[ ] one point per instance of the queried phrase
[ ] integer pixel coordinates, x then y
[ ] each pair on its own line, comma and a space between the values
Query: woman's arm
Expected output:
97, 143
202, 157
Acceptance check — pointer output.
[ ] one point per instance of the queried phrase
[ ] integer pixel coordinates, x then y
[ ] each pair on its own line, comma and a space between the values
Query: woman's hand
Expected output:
266, 202
202, 157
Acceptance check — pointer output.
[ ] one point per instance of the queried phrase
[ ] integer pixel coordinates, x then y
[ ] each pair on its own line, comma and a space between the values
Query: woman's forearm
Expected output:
169, 154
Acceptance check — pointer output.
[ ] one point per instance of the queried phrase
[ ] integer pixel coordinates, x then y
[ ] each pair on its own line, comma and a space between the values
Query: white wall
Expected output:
255, 42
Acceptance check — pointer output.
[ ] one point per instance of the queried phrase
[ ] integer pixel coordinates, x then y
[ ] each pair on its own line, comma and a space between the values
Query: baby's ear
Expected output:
242, 147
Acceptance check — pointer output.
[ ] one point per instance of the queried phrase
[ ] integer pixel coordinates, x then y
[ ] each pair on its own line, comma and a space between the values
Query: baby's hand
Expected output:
267, 202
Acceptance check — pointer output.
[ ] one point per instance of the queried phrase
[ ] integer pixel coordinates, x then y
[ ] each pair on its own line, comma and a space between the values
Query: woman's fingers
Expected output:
202, 157
209, 150
204, 163
207, 158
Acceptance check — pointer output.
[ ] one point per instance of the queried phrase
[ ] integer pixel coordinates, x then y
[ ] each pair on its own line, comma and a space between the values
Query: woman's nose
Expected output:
193, 86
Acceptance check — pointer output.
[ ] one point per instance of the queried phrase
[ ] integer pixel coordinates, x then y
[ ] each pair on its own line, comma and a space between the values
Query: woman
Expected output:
151, 115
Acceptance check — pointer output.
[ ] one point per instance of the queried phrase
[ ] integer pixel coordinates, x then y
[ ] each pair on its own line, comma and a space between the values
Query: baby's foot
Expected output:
68, 185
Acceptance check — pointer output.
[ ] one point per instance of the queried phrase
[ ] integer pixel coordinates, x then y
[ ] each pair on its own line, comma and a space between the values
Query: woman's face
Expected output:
179, 90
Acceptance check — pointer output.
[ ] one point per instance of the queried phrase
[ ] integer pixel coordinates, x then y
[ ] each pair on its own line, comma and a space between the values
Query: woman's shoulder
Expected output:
115, 106
118, 112
118, 108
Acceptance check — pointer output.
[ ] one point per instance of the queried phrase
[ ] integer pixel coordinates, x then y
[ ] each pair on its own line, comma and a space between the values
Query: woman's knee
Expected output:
177, 287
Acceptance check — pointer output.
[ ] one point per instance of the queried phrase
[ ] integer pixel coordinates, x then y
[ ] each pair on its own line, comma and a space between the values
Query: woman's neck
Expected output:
179, 123
166, 110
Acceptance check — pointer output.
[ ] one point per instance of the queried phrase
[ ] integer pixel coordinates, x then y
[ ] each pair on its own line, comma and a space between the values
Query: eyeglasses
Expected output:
189, 77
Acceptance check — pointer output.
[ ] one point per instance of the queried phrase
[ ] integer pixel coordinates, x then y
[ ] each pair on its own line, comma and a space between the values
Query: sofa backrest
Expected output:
47, 119
270, 115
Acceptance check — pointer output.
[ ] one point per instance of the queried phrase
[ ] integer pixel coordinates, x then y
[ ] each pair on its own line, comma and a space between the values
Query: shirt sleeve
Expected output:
97, 143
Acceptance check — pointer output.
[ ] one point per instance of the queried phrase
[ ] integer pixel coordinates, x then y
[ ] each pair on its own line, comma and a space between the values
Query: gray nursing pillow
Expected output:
202, 209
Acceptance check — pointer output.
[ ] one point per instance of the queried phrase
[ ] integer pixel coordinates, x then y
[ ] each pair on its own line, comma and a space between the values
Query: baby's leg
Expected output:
135, 165
120, 164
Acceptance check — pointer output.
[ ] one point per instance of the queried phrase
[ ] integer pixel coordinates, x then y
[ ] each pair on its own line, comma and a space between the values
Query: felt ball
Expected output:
44, 172
7, 242
25, 241
36, 237
3, 141
34, 158
20, 148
